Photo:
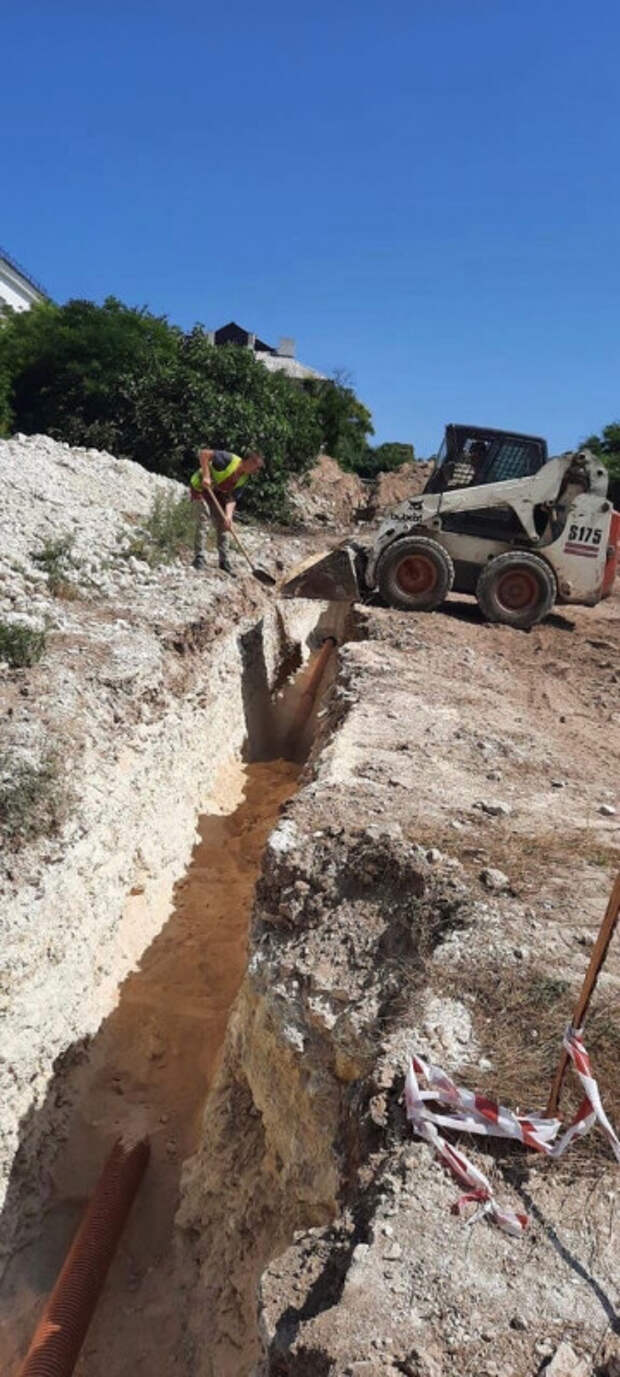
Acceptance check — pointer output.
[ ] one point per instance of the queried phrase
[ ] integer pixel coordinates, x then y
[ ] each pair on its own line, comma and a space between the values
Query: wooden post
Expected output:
599, 952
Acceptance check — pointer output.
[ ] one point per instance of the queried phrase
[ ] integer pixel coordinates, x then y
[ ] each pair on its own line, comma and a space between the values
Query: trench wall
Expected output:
76, 934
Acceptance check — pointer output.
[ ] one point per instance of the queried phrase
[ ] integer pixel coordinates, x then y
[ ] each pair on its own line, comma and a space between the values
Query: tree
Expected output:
70, 367
385, 458
607, 447
122, 379
344, 421
224, 398
5, 379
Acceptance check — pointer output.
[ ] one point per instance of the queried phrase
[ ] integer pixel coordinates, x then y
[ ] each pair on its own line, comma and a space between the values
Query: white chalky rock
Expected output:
565, 1363
495, 879
284, 837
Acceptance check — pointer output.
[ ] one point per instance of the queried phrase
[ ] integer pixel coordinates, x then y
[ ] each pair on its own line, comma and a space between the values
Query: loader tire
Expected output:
415, 574
517, 589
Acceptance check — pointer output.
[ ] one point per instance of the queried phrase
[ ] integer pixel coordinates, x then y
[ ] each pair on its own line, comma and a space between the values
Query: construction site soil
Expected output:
423, 852
149, 1071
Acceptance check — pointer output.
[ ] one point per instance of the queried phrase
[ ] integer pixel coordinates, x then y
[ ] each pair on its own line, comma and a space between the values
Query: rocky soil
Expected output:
435, 882
395, 487
326, 495
150, 679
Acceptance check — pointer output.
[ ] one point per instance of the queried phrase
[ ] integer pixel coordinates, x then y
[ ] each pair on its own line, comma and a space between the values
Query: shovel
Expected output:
260, 574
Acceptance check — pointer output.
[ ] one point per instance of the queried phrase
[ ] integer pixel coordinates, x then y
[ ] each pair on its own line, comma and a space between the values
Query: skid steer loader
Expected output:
498, 519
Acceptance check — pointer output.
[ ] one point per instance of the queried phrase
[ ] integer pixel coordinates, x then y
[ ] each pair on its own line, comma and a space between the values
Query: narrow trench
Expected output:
151, 1065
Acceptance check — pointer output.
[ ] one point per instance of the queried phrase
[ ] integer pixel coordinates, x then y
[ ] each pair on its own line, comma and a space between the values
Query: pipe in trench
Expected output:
310, 691
314, 680
61, 1331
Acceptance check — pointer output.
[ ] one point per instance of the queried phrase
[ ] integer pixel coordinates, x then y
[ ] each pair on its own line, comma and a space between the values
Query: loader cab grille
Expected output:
511, 459
472, 456
475, 455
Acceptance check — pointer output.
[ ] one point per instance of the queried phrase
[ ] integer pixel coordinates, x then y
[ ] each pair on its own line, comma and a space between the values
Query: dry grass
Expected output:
519, 1015
527, 860
34, 800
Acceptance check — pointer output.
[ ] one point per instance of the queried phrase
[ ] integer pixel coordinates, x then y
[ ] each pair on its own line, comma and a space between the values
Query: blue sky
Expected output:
423, 192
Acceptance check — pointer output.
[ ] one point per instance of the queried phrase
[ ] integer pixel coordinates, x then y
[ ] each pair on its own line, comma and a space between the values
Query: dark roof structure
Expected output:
235, 334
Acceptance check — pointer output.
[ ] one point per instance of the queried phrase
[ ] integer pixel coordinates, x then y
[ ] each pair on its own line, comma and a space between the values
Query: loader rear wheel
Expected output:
517, 589
415, 574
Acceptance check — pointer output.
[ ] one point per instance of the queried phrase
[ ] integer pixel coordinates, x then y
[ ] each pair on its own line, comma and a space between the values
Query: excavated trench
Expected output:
149, 1069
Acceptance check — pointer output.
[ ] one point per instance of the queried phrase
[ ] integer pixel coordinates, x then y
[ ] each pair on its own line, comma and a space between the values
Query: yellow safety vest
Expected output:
221, 478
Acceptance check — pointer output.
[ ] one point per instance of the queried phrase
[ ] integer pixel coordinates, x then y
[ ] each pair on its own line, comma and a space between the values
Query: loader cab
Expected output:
473, 456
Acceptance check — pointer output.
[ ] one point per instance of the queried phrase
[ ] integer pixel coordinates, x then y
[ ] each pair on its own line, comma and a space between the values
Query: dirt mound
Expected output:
395, 487
327, 495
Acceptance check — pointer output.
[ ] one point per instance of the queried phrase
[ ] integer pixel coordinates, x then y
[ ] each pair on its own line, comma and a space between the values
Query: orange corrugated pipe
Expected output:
315, 677
62, 1328
308, 695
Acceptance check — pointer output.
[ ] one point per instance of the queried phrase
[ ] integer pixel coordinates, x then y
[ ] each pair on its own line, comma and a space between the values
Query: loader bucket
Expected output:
328, 577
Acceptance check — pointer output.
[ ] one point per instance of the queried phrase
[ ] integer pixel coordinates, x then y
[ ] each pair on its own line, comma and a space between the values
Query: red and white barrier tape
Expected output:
474, 1113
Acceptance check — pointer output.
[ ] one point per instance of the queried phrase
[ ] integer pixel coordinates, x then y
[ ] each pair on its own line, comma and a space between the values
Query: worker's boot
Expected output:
199, 562
226, 565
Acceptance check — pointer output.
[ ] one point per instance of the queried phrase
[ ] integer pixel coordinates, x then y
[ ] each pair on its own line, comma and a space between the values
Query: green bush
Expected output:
70, 367
56, 559
124, 380
167, 531
6, 378
33, 798
20, 646
345, 423
547, 988
607, 447
384, 459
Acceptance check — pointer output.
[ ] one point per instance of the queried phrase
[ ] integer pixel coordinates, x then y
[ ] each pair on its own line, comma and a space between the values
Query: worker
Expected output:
223, 474
464, 472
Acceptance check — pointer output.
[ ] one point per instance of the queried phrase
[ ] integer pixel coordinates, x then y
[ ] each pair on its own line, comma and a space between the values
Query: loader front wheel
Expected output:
517, 589
415, 574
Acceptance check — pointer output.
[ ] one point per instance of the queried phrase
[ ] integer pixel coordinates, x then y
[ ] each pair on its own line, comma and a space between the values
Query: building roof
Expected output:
21, 272
235, 334
276, 360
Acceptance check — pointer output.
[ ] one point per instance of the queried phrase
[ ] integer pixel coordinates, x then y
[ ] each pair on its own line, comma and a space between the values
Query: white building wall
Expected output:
280, 363
16, 291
